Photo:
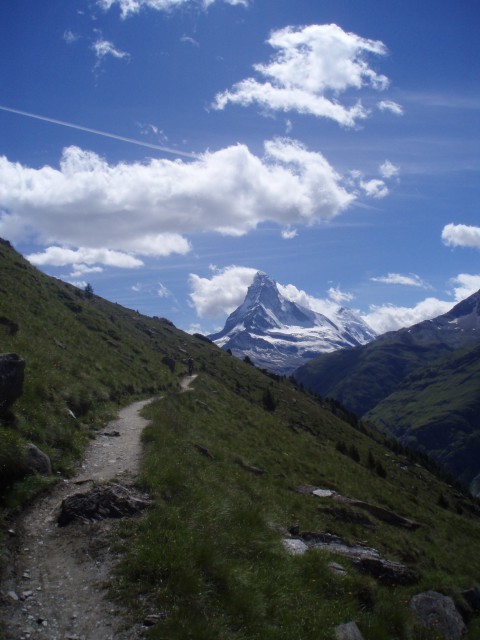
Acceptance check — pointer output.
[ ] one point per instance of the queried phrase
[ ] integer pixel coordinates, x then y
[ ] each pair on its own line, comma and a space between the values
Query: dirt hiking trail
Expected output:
55, 586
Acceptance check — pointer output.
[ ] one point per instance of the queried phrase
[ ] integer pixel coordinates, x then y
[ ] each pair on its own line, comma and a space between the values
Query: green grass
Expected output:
209, 554
223, 463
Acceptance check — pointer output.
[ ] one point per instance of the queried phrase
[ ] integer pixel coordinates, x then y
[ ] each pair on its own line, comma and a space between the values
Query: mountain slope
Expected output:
230, 466
280, 335
421, 384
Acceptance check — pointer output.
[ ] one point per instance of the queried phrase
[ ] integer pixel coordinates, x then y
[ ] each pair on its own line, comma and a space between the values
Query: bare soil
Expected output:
55, 584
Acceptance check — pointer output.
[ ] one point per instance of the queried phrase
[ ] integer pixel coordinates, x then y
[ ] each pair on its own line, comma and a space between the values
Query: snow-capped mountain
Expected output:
280, 335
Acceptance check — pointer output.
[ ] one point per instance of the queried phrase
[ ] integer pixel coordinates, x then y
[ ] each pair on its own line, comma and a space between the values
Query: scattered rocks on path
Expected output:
111, 501
438, 613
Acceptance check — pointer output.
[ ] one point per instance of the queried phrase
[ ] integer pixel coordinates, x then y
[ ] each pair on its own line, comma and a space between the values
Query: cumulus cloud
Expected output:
83, 257
461, 235
391, 106
464, 285
411, 280
374, 188
147, 208
388, 170
389, 317
289, 234
223, 292
312, 66
338, 296
131, 7
82, 269
226, 290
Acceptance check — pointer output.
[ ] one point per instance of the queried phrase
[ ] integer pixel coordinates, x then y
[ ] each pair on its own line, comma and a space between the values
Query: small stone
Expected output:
337, 568
294, 546
348, 631
154, 618
12, 595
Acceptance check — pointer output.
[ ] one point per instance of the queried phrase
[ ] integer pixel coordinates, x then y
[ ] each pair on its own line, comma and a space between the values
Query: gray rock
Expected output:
12, 369
348, 631
37, 461
438, 613
294, 546
112, 501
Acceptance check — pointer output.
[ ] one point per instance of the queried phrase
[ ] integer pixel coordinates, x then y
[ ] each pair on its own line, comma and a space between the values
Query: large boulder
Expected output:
438, 614
12, 369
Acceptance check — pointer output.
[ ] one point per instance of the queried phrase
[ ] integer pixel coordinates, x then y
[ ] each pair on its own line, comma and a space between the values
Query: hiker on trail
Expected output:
190, 366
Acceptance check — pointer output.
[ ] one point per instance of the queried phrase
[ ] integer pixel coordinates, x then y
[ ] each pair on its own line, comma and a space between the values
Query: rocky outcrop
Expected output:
112, 501
366, 559
12, 368
385, 515
438, 614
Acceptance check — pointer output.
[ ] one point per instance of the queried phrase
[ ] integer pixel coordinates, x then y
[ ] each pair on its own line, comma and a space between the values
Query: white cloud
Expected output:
146, 208
390, 105
312, 67
388, 170
130, 7
61, 256
464, 285
162, 291
412, 280
389, 317
226, 290
70, 37
374, 188
82, 269
190, 40
103, 48
461, 235
338, 296
289, 234
223, 292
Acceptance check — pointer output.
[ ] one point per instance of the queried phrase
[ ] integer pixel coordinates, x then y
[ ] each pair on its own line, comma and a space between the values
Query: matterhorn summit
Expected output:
280, 335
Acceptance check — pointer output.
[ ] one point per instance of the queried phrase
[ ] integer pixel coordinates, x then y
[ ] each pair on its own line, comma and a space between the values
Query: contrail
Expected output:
62, 123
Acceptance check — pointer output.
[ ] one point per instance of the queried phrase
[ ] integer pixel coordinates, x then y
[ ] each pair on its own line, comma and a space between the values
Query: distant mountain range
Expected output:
422, 384
280, 335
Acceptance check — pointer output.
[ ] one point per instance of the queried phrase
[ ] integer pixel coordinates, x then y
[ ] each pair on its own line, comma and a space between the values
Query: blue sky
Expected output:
166, 150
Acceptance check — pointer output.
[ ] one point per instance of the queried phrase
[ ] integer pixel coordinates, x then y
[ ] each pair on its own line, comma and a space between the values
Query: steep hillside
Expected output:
280, 335
84, 356
437, 409
421, 384
232, 466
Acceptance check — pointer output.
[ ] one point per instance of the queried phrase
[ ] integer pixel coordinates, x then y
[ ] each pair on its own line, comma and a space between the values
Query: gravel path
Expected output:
55, 586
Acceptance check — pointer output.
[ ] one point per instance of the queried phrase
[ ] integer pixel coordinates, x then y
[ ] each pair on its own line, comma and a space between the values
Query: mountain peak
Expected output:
279, 334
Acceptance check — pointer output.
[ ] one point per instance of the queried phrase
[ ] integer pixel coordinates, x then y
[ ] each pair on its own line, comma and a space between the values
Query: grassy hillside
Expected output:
436, 409
421, 385
224, 472
84, 356
224, 463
